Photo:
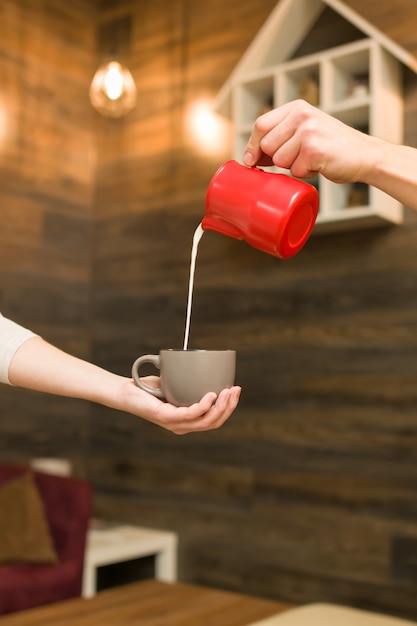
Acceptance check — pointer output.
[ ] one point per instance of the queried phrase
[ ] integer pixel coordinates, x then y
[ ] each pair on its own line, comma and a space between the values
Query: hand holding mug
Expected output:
187, 375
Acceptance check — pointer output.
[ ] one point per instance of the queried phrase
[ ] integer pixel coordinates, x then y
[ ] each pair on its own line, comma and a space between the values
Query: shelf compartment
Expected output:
351, 75
346, 198
257, 96
301, 82
356, 114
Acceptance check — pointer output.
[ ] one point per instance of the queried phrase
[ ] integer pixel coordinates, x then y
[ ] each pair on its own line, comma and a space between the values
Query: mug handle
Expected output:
146, 358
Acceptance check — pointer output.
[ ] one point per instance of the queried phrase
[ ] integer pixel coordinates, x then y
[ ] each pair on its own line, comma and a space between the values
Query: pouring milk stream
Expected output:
196, 240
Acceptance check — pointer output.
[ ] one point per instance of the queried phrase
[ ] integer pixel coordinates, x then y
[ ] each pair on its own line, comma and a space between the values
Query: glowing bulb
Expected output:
3, 125
205, 127
113, 81
113, 90
7, 124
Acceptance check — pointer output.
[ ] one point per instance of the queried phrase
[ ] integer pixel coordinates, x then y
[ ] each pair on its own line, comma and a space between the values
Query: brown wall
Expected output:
309, 492
46, 174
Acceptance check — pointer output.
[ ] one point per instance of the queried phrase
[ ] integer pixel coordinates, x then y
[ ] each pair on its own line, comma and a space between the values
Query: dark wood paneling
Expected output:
46, 161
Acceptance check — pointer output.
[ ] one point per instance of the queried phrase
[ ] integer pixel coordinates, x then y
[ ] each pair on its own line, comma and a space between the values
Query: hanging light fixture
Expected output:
113, 90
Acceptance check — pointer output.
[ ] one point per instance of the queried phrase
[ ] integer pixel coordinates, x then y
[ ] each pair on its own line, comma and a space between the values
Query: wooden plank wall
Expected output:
309, 492
46, 159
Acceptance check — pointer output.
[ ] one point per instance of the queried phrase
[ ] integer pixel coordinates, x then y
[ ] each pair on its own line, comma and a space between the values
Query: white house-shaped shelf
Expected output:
359, 82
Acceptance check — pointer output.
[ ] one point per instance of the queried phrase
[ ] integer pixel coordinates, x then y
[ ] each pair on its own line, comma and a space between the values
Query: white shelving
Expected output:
358, 83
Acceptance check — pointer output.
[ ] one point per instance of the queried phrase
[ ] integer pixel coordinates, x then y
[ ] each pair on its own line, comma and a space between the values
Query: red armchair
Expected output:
67, 506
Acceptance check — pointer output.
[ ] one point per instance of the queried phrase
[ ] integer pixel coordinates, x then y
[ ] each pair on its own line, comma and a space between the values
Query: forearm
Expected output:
39, 366
393, 169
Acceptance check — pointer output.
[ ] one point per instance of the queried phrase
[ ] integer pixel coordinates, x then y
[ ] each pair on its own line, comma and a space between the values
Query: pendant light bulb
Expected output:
113, 90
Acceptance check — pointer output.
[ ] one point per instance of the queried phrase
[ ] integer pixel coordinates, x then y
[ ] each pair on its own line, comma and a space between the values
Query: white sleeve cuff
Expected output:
12, 336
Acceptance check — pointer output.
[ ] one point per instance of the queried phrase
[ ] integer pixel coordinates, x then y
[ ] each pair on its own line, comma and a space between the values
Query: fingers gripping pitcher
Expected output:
272, 212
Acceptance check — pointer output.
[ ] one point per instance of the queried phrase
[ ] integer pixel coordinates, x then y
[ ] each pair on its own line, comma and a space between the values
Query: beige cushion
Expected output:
331, 615
24, 531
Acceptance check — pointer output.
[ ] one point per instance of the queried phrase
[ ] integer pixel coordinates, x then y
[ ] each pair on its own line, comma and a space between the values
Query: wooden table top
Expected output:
151, 603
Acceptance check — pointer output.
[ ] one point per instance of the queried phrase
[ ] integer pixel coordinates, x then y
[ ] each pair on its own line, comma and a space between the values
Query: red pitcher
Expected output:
272, 212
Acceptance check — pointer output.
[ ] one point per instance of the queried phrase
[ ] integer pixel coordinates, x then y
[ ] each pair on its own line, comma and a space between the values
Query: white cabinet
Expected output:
359, 83
123, 543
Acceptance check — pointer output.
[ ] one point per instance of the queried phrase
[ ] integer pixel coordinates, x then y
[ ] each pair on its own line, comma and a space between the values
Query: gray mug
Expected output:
187, 375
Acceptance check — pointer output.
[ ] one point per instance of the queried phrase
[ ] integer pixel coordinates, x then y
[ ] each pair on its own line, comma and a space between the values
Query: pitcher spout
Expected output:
221, 226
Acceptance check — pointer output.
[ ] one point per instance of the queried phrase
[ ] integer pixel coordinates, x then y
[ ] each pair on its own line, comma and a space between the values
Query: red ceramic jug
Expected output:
272, 212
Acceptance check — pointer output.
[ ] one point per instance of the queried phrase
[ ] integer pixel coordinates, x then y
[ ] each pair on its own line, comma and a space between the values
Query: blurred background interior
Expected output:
309, 491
